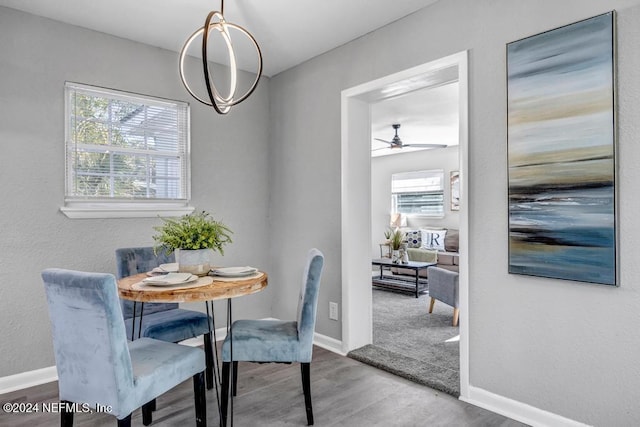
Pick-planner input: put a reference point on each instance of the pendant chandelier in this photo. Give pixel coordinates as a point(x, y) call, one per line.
point(216, 23)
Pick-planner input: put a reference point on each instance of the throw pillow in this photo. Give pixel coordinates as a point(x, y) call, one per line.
point(414, 239)
point(451, 242)
point(433, 239)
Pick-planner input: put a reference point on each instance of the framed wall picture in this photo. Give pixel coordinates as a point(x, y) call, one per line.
point(561, 153)
point(454, 180)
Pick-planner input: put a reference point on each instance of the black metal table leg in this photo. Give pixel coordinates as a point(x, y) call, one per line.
point(417, 280)
point(141, 313)
point(232, 376)
point(133, 321)
point(228, 375)
point(216, 360)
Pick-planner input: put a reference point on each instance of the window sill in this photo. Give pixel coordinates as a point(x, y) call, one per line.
point(124, 210)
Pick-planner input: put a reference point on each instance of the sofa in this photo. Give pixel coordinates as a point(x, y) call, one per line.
point(443, 251)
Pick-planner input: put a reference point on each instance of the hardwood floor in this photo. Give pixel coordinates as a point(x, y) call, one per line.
point(345, 393)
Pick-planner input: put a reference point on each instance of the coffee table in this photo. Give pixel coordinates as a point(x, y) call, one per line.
point(399, 282)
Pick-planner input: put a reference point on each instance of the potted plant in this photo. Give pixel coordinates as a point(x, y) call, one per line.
point(396, 241)
point(194, 238)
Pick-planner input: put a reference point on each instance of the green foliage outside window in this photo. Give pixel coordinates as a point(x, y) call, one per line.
point(123, 149)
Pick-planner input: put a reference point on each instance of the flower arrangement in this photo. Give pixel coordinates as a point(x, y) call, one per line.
point(193, 231)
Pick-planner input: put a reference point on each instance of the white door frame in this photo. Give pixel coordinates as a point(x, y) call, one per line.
point(356, 206)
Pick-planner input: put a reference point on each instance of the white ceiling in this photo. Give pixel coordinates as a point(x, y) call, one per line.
point(289, 32)
point(426, 116)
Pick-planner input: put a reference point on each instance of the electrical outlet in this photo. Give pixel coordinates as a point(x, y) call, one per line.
point(333, 310)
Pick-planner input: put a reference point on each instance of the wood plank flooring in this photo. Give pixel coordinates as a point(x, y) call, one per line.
point(345, 392)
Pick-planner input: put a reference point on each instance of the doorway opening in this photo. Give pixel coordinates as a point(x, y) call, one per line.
point(356, 195)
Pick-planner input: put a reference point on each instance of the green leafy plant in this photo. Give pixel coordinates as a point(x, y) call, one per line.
point(396, 238)
point(193, 231)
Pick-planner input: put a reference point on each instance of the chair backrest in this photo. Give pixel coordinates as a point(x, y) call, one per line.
point(308, 303)
point(132, 261)
point(89, 339)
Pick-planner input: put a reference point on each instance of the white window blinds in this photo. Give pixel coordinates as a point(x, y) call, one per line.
point(125, 147)
point(418, 192)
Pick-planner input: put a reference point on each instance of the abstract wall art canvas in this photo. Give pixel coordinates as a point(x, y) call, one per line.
point(561, 153)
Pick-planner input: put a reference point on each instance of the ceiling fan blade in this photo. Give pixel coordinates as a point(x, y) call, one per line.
point(382, 140)
point(383, 148)
point(396, 142)
point(426, 145)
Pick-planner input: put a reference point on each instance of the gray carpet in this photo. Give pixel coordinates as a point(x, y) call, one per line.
point(411, 343)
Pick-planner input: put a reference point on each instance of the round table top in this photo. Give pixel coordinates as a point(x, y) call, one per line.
point(219, 289)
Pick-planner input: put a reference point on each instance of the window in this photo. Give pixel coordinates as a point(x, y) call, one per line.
point(418, 193)
point(126, 154)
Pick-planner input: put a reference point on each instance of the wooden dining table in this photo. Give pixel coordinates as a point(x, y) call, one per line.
point(130, 288)
point(220, 288)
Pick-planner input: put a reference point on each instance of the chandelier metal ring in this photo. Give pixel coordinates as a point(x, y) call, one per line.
point(224, 32)
point(222, 104)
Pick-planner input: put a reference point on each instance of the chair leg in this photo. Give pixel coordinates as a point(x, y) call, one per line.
point(306, 387)
point(208, 353)
point(200, 398)
point(66, 416)
point(125, 422)
point(147, 411)
point(431, 304)
point(224, 401)
point(456, 313)
point(234, 390)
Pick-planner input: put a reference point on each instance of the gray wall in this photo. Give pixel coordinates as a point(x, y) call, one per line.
point(229, 171)
point(381, 170)
point(564, 347)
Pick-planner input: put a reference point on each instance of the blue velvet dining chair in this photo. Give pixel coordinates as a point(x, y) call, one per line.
point(161, 321)
point(97, 366)
point(275, 340)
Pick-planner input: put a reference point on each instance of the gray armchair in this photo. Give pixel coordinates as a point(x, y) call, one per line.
point(443, 286)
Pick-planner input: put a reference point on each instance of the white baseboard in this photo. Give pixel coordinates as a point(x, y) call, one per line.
point(328, 343)
point(517, 410)
point(221, 334)
point(28, 379)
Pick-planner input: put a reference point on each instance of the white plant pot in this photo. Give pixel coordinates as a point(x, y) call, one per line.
point(196, 261)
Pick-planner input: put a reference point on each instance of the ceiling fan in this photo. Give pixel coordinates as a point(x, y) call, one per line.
point(396, 142)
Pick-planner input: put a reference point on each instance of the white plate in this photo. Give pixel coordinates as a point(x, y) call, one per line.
point(234, 271)
point(170, 279)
